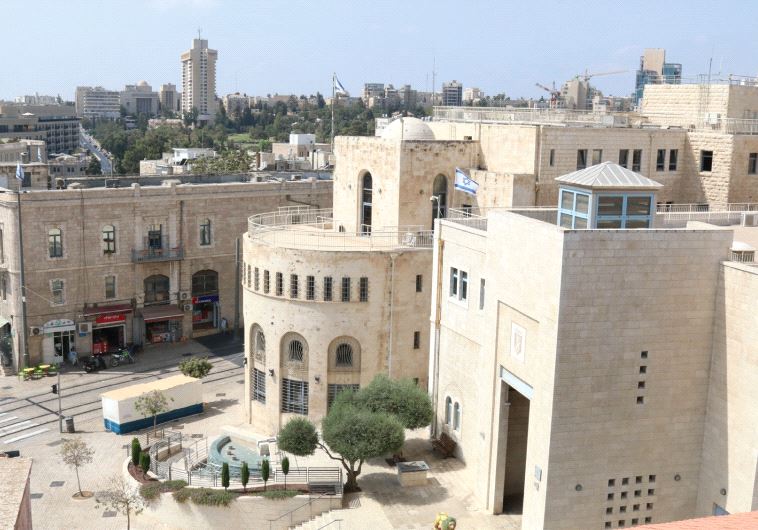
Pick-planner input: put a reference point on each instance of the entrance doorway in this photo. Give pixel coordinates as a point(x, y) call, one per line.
point(515, 457)
point(108, 339)
point(63, 342)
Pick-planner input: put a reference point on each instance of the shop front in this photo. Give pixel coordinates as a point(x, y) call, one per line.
point(6, 342)
point(205, 312)
point(109, 329)
point(58, 340)
point(163, 323)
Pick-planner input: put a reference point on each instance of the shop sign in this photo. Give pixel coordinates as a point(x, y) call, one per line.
point(108, 319)
point(205, 298)
point(62, 324)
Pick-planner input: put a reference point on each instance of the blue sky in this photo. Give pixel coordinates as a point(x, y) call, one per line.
point(293, 46)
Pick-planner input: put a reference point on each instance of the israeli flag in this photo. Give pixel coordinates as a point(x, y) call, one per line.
point(465, 183)
point(338, 88)
point(19, 172)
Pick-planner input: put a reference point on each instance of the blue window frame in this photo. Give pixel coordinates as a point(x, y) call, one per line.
point(574, 209)
point(628, 210)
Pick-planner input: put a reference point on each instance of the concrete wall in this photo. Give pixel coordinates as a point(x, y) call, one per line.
point(731, 426)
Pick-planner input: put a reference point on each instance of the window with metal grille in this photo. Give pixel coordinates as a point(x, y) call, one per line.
point(660, 160)
point(259, 385)
point(266, 282)
point(294, 287)
point(344, 355)
point(260, 346)
point(364, 289)
point(295, 351)
point(310, 287)
point(419, 283)
point(752, 164)
point(279, 284)
point(327, 289)
point(333, 390)
point(256, 280)
point(294, 396)
point(346, 289)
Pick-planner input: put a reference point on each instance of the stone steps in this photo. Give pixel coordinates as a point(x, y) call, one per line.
point(318, 522)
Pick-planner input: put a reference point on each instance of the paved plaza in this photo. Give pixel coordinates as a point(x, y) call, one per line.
point(29, 423)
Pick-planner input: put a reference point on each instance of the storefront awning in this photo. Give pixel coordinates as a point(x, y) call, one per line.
point(158, 313)
point(107, 309)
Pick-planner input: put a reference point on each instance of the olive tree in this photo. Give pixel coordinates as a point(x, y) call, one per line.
point(152, 404)
point(197, 367)
point(75, 453)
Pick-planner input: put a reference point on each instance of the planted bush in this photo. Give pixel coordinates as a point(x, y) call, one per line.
point(280, 494)
point(144, 462)
point(265, 472)
point(196, 367)
point(153, 490)
point(285, 469)
point(204, 496)
point(136, 451)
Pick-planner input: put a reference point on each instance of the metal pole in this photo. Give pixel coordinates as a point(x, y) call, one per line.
point(23, 280)
point(60, 414)
point(334, 75)
point(237, 280)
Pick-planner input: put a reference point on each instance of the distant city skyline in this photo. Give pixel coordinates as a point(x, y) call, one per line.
point(271, 47)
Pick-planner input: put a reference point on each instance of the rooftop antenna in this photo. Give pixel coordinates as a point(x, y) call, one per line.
point(434, 78)
point(199, 33)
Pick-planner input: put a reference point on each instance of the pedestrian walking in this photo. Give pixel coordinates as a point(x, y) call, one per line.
point(224, 325)
point(73, 357)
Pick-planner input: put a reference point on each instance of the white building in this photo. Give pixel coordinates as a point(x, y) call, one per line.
point(199, 80)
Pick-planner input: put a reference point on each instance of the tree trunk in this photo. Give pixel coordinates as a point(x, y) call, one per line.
point(155, 425)
point(352, 481)
point(128, 519)
point(79, 484)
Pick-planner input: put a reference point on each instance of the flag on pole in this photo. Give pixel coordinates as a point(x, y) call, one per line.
point(19, 172)
point(465, 183)
point(39, 154)
point(338, 88)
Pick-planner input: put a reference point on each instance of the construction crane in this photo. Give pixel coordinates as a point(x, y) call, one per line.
point(554, 94)
point(587, 75)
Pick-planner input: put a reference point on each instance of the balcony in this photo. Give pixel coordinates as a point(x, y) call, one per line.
point(157, 254)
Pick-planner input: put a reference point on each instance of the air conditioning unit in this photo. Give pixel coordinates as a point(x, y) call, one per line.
point(188, 307)
point(749, 219)
point(184, 295)
point(84, 328)
point(35, 330)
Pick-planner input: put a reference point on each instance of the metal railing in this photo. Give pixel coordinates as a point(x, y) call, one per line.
point(476, 217)
point(290, 515)
point(533, 115)
point(314, 229)
point(157, 254)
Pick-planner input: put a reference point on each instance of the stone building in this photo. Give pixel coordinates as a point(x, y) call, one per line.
point(600, 375)
point(57, 125)
point(97, 102)
point(140, 99)
point(143, 263)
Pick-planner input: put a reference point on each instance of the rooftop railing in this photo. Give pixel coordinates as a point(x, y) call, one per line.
point(521, 115)
point(313, 229)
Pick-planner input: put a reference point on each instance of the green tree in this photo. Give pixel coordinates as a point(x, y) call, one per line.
point(76, 453)
point(360, 425)
point(197, 367)
point(144, 462)
point(136, 451)
point(225, 475)
point(121, 497)
point(285, 469)
point(94, 167)
point(244, 476)
point(152, 404)
point(265, 472)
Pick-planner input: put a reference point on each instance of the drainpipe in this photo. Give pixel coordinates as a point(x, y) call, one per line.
point(437, 318)
point(391, 323)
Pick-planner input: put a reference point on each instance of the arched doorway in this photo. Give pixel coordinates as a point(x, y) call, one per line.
point(366, 203)
point(156, 289)
point(439, 206)
point(205, 300)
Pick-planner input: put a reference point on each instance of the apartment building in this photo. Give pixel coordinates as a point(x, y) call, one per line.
point(146, 261)
point(57, 125)
point(97, 102)
point(452, 94)
point(140, 99)
point(595, 361)
point(169, 98)
point(199, 79)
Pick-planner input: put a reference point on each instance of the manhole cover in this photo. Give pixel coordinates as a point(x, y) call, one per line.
point(57, 483)
point(221, 394)
point(109, 514)
point(56, 442)
point(36, 496)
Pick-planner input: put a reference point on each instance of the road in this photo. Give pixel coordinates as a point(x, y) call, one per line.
point(88, 142)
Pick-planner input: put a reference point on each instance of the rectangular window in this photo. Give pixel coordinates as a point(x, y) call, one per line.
point(624, 157)
point(660, 160)
point(310, 288)
point(552, 157)
point(752, 169)
point(419, 283)
point(155, 237)
point(453, 282)
point(610, 205)
point(481, 293)
point(256, 279)
point(55, 242)
point(4, 287)
point(266, 282)
point(345, 289)
point(333, 390)
point(109, 239)
point(464, 286)
point(57, 287)
point(416, 340)
point(110, 287)
point(294, 287)
point(581, 159)
point(279, 284)
point(597, 156)
point(706, 160)
point(364, 289)
point(294, 396)
point(327, 288)
point(673, 159)
point(637, 160)
point(259, 386)
point(205, 233)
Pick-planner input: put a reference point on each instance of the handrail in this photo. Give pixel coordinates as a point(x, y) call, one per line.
point(310, 502)
point(330, 523)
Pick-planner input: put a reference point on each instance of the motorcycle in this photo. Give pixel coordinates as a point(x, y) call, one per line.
point(123, 356)
point(91, 364)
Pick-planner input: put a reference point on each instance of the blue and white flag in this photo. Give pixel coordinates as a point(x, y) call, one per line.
point(465, 183)
point(338, 88)
point(19, 172)
point(39, 154)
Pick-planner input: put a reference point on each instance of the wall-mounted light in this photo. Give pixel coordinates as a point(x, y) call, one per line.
point(271, 372)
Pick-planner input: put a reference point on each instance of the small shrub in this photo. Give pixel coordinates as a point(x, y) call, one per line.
point(197, 367)
point(285, 469)
point(265, 472)
point(280, 494)
point(136, 451)
point(210, 497)
point(144, 462)
point(153, 490)
point(182, 495)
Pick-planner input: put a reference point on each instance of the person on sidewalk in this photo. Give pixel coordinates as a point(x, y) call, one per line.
point(73, 357)
point(224, 325)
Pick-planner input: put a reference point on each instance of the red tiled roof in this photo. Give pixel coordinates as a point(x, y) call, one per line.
point(736, 521)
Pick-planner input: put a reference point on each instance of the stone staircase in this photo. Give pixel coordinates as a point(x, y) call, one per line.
point(328, 520)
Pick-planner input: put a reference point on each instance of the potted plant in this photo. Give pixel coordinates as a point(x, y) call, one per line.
point(52, 370)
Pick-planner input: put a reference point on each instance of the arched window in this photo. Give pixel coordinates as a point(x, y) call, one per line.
point(156, 289)
point(457, 417)
point(260, 341)
point(366, 203)
point(448, 410)
point(204, 282)
point(344, 356)
point(55, 242)
point(295, 351)
point(439, 190)
point(109, 239)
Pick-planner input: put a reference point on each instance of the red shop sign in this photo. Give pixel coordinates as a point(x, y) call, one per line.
point(107, 319)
